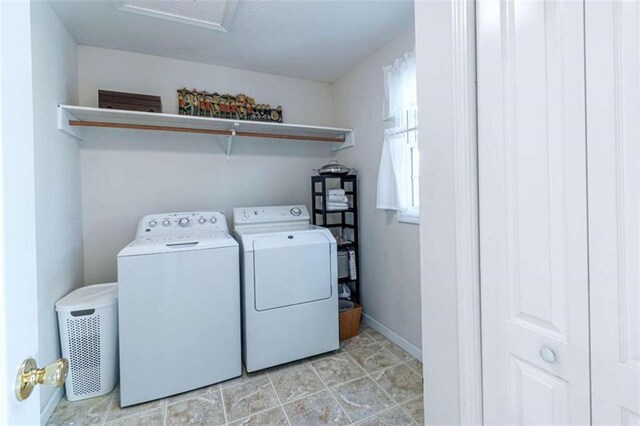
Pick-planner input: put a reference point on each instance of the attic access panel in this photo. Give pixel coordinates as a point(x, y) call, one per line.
point(212, 14)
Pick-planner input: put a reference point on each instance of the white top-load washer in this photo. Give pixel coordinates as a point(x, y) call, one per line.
point(179, 306)
point(289, 285)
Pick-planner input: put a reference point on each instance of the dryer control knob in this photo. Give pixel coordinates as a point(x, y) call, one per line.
point(296, 211)
point(152, 223)
point(202, 220)
point(166, 222)
point(213, 219)
point(184, 221)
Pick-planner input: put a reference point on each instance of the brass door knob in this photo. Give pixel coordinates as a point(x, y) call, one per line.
point(29, 375)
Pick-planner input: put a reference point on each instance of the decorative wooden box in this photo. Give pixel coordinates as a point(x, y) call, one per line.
point(129, 101)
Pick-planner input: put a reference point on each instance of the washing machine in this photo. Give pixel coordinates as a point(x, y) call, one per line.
point(289, 285)
point(179, 306)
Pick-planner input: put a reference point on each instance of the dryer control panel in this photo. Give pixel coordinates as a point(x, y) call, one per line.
point(270, 215)
point(161, 224)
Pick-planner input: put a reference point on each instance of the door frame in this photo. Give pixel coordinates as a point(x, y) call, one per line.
point(449, 206)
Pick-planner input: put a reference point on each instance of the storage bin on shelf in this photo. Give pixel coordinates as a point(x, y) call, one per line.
point(88, 322)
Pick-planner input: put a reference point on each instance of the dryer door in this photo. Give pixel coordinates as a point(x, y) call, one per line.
point(291, 269)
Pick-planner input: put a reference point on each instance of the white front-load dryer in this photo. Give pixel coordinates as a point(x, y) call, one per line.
point(289, 286)
point(179, 306)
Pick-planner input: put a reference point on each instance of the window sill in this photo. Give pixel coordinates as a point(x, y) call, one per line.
point(409, 216)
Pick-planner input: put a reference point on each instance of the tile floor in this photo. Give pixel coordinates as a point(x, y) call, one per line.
point(368, 381)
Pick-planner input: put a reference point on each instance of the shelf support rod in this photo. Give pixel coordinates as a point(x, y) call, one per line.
point(337, 139)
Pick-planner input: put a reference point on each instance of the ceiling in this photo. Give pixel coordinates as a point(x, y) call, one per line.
point(311, 39)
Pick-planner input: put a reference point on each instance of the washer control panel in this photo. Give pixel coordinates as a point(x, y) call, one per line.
point(161, 224)
point(272, 214)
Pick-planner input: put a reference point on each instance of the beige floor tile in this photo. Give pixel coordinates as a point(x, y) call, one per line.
point(253, 399)
point(337, 369)
point(249, 398)
point(374, 358)
point(415, 408)
point(207, 392)
point(318, 409)
point(372, 332)
point(115, 412)
point(356, 342)
point(197, 410)
point(296, 382)
point(394, 416)
point(396, 350)
point(361, 398)
point(90, 411)
point(400, 382)
point(273, 417)
point(415, 365)
point(153, 417)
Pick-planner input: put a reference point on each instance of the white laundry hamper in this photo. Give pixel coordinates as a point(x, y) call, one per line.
point(88, 321)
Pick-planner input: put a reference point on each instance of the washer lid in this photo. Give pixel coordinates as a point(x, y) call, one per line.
point(89, 297)
point(174, 243)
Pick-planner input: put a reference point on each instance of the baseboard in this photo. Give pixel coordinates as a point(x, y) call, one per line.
point(51, 405)
point(412, 349)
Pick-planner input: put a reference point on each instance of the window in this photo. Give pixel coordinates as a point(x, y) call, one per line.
point(398, 177)
point(412, 170)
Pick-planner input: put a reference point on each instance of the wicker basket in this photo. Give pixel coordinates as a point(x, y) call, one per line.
point(350, 322)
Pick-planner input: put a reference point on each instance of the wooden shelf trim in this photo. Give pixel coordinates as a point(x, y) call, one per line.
point(154, 127)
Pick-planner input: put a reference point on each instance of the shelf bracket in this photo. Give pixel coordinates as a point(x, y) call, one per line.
point(63, 124)
point(229, 143)
point(349, 141)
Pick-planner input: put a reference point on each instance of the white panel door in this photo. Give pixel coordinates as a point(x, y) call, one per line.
point(18, 284)
point(613, 132)
point(533, 212)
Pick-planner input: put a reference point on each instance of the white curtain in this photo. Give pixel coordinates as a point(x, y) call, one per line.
point(400, 97)
point(392, 191)
point(400, 84)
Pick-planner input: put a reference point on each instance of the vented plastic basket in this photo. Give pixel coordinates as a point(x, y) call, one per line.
point(88, 321)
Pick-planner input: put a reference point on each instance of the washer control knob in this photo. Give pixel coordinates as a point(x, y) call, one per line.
point(202, 220)
point(246, 214)
point(213, 219)
point(152, 223)
point(296, 211)
point(184, 221)
point(166, 222)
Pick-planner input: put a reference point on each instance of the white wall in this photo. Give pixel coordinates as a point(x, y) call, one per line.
point(390, 268)
point(127, 174)
point(57, 177)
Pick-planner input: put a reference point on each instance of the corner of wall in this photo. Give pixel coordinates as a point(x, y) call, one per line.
point(58, 206)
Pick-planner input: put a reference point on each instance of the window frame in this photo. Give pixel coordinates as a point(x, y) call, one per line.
point(409, 125)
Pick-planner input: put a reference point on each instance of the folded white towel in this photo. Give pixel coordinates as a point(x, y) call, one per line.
point(337, 199)
point(337, 206)
point(336, 191)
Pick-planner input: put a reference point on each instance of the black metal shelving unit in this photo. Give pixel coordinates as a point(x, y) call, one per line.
point(342, 223)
